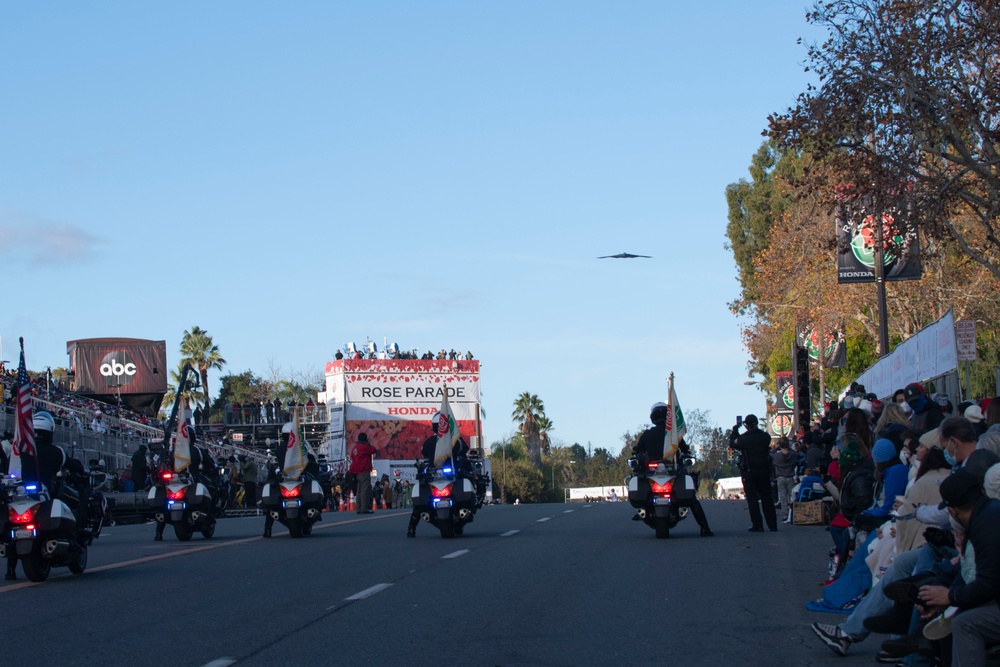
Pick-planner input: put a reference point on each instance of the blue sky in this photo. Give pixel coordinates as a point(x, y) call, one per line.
point(293, 176)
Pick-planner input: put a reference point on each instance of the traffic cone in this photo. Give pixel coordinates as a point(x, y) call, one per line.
point(350, 505)
point(374, 505)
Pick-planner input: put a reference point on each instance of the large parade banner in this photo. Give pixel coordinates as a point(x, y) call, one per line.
point(929, 353)
point(392, 401)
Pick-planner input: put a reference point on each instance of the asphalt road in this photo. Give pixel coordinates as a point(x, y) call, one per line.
point(527, 585)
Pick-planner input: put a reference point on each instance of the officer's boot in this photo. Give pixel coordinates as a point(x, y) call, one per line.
point(268, 522)
point(159, 531)
point(11, 570)
point(411, 530)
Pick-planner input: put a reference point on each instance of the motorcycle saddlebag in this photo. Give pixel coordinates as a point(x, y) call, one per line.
point(271, 495)
point(420, 495)
point(683, 488)
point(638, 491)
point(463, 491)
point(60, 520)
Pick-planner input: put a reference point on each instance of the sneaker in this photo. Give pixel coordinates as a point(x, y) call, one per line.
point(786, 521)
point(833, 637)
point(707, 532)
point(887, 658)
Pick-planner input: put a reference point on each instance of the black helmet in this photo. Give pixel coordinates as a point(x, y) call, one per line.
point(658, 412)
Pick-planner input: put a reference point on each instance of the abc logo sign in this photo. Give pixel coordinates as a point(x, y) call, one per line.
point(117, 369)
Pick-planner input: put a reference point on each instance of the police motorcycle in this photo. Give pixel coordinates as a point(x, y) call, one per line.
point(660, 490)
point(449, 498)
point(46, 527)
point(179, 495)
point(292, 496)
point(181, 500)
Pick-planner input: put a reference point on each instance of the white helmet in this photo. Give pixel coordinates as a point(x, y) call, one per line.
point(658, 411)
point(43, 421)
point(288, 427)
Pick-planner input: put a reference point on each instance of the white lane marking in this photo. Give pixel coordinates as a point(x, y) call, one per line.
point(220, 662)
point(568, 511)
point(377, 588)
point(544, 518)
point(509, 533)
point(456, 554)
point(586, 506)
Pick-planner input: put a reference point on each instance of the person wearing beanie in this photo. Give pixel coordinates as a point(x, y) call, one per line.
point(891, 477)
point(926, 413)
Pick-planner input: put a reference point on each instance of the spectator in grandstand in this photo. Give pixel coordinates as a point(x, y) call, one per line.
point(278, 414)
point(237, 413)
point(98, 425)
point(269, 411)
point(227, 412)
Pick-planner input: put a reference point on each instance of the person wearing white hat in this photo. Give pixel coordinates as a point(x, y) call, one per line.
point(97, 425)
point(974, 414)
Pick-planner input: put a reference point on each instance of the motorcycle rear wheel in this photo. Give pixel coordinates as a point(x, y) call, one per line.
point(208, 530)
point(447, 529)
point(307, 528)
point(36, 568)
point(295, 528)
point(183, 531)
point(79, 564)
point(662, 526)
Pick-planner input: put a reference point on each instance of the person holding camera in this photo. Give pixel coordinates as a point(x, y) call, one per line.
point(755, 469)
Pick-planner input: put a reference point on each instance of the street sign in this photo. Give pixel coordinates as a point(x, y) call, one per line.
point(965, 339)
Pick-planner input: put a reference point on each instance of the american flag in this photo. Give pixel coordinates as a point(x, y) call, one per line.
point(24, 427)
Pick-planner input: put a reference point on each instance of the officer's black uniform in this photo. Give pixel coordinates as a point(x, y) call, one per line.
point(650, 448)
point(460, 463)
point(755, 468)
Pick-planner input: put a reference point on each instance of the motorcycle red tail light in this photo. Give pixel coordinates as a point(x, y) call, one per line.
point(665, 488)
point(290, 493)
point(28, 515)
point(167, 476)
point(441, 493)
point(176, 495)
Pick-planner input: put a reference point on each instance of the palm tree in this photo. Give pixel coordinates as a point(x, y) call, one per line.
point(544, 426)
point(528, 408)
point(192, 393)
point(198, 350)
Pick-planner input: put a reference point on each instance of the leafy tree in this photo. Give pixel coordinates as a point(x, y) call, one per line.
point(198, 350)
point(578, 453)
point(245, 387)
point(512, 467)
point(908, 95)
point(528, 408)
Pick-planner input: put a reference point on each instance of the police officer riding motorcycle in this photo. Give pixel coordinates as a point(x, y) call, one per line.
point(663, 491)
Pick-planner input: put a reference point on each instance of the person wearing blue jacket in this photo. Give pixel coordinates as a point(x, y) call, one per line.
point(890, 478)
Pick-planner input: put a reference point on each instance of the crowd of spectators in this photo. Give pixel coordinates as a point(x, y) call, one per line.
point(266, 412)
point(914, 481)
point(442, 355)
